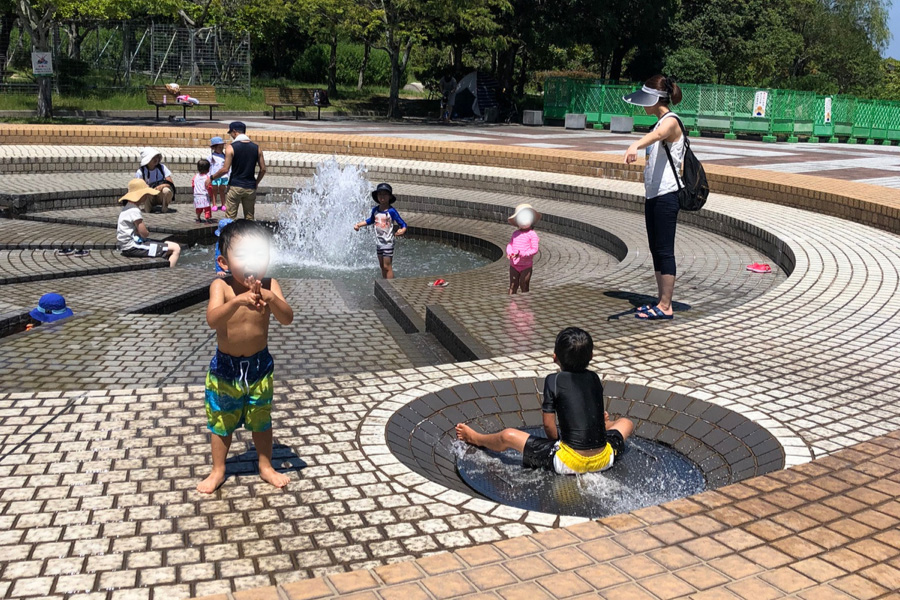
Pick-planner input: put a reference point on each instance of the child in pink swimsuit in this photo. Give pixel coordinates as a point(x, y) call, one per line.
point(522, 247)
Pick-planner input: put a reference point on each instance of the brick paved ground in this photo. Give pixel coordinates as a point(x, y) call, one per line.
point(870, 164)
point(826, 530)
point(97, 498)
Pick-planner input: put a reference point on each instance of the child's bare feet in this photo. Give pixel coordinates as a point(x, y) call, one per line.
point(464, 433)
point(272, 476)
point(211, 483)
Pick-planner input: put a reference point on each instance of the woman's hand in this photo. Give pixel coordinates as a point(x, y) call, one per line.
point(631, 153)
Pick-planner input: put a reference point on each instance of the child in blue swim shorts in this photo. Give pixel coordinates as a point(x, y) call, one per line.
point(239, 384)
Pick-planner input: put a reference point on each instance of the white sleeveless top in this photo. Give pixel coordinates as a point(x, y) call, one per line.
point(658, 176)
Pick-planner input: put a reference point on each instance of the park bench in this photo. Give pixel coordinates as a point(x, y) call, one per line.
point(297, 98)
point(159, 96)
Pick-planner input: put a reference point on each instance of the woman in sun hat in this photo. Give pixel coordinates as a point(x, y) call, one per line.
point(50, 308)
point(157, 176)
point(132, 236)
point(522, 247)
point(661, 183)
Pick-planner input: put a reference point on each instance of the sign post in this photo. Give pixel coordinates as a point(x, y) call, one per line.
point(42, 64)
point(759, 104)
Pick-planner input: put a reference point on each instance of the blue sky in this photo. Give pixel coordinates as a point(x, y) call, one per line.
point(893, 50)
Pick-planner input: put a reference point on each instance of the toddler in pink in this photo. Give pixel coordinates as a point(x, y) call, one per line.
point(522, 247)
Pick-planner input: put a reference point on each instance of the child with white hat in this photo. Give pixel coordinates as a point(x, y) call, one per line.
point(216, 160)
point(522, 247)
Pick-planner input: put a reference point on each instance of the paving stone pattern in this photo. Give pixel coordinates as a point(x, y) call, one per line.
point(110, 478)
point(26, 234)
point(569, 277)
point(824, 530)
point(106, 488)
point(111, 292)
point(18, 266)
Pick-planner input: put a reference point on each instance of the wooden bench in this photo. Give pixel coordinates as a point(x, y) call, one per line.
point(159, 96)
point(297, 98)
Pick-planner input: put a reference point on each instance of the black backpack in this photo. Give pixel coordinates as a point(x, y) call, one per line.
point(693, 194)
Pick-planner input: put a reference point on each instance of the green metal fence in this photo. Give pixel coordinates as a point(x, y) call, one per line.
point(734, 110)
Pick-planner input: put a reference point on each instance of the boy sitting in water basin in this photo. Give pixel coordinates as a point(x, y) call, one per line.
point(586, 441)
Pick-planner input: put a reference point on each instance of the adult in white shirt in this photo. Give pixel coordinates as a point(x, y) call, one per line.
point(157, 176)
point(662, 180)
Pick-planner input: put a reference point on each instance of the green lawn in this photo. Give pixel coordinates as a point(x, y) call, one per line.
point(348, 98)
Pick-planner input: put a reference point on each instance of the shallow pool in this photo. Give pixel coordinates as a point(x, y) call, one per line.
point(413, 257)
point(647, 474)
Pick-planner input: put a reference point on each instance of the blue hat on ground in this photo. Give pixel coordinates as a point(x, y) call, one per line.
point(237, 127)
point(51, 307)
point(216, 141)
point(222, 224)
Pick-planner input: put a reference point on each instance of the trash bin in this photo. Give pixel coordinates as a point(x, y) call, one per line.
point(621, 124)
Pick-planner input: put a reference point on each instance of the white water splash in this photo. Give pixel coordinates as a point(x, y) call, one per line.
point(640, 478)
point(315, 227)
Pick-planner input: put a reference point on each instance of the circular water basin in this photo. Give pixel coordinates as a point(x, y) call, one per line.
point(646, 474)
point(413, 257)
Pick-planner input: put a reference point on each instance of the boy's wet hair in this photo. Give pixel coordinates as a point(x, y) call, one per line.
point(574, 348)
point(241, 228)
point(203, 166)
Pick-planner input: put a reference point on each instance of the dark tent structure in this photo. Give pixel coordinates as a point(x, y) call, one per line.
point(475, 94)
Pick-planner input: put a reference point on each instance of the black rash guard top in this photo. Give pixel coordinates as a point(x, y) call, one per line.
point(577, 400)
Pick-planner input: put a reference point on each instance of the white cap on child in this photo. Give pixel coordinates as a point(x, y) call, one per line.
point(525, 218)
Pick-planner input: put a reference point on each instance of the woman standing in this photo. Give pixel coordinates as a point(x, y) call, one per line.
point(661, 185)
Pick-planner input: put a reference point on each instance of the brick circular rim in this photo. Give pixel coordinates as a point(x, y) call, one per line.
point(725, 445)
point(382, 440)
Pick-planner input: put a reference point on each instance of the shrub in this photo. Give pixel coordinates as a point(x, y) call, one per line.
point(312, 65)
point(690, 65)
point(541, 76)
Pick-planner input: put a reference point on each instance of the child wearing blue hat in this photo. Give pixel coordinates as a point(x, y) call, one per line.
point(220, 272)
point(217, 161)
point(50, 308)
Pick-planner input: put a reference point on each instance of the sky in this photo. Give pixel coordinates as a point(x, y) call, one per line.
point(893, 50)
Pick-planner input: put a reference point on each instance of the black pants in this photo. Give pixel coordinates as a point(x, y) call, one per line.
point(661, 216)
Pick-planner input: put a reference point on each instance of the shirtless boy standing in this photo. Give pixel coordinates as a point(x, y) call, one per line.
point(239, 382)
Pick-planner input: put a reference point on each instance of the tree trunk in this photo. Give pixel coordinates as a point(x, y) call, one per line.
point(6, 25)
point(332, 67)
point(523, 76)
point(618, 57)
point(506, 67)
point(76, 38)
point(126, 52)
point(45, 97)
point(365, 64)
point(394, 97)
point(457, 57)
point(38, 27)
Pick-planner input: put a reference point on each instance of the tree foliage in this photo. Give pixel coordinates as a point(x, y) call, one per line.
point(831, 46)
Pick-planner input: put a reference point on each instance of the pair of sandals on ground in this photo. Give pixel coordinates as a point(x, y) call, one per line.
point(73, 252)
point(651, 312)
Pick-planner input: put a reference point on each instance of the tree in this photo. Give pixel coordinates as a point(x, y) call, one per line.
point(402, 22)
point(690, 65)
point(331, 20)
point(36, 18)
point(7, 19)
